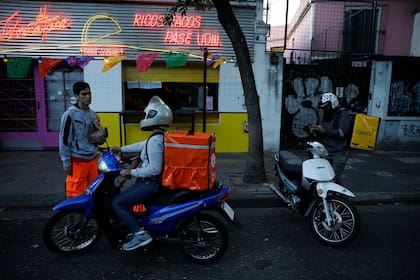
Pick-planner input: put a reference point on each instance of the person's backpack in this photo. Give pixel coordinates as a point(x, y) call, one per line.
point(189, 160)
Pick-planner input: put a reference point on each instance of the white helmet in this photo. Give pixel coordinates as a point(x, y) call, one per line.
point(328, 98)
point(157, 114)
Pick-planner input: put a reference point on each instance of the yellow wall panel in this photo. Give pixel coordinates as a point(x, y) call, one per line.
point(112, 122)
point(134, 134)
point(230, 136)
point(191, 73)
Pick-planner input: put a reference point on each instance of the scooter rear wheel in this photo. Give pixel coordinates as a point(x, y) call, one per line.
point(207, 236)
point(69, 232)
point(345, 222)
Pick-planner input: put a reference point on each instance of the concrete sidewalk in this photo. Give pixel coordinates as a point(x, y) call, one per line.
point(35, 179)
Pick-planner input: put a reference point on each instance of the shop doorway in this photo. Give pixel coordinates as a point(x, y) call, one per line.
point(31, 107)
point(58, 97)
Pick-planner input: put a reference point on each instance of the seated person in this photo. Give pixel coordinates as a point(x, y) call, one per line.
point(158, 118)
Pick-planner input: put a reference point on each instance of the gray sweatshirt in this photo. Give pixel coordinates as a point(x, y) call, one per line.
point(76, 126)
point(152, 162)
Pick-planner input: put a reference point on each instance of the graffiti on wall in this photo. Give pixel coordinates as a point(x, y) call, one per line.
point(411, 130)
point(301, 95)
point(404, 98)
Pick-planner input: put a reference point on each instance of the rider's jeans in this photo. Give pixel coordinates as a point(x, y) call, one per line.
point(338, 161)
point(140, 192)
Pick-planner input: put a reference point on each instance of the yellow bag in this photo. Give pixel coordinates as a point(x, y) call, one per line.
point(365, 130)
point(189, 160)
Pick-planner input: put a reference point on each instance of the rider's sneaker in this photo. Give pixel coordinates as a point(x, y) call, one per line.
point(140, 238)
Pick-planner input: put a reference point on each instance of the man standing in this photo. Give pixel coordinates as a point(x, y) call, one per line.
point(77, 149)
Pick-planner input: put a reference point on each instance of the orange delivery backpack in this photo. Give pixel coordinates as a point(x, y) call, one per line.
point(189, 160)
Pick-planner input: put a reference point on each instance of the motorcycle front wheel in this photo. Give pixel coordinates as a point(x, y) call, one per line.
point(345, 224)
point(69, 232)
point(206, 238)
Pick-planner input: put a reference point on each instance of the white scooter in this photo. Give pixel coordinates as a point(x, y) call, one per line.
point(308, 188)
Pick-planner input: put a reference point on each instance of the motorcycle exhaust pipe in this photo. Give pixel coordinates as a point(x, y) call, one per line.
point(177, 241)
point(277, 192)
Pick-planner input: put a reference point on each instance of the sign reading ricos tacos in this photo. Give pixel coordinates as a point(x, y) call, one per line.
point(184, 30)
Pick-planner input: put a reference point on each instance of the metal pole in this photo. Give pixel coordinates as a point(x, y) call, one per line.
point(285, 26)
point(204, 87)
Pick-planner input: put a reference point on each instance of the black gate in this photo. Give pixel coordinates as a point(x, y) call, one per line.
point(303, 85)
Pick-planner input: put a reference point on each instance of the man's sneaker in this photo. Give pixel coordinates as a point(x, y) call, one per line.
point(140, 238)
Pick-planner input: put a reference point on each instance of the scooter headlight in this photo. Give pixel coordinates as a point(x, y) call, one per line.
point(102, 166)
point(107, 162)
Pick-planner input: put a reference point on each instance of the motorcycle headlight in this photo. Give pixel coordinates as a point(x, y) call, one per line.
point(108, 162)
point(102, 166)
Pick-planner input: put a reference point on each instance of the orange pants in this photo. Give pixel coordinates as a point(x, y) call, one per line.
point(83, 172)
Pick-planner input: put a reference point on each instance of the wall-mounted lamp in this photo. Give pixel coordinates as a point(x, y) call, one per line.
point(5, 59)
point(40, 60)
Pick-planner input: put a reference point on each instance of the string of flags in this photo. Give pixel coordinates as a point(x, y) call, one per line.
point(111, 61)
point(18, 67)
point(145, 60)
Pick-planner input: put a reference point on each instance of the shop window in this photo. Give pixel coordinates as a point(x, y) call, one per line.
point(359, 31)
point(18, 105)
point(180, 97)
point(59, 93)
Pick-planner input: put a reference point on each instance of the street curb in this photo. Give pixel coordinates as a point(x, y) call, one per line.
point(248, 197)
point(268, 199)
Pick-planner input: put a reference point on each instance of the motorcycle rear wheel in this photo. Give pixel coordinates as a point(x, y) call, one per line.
point(345, 222)
point(208, 236)
point(69, 232)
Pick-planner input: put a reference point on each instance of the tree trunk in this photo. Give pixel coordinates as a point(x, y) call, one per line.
point(254, 170)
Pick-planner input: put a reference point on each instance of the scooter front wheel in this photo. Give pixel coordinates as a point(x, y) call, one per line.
point(69, 232)
point(345, 222)
point(206, 238)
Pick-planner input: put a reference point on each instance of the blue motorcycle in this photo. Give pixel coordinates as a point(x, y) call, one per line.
point(181, 217)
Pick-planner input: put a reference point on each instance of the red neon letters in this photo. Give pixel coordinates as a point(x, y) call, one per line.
point(184, 30)
point(181, 31)
point(44, 23)
point(157, 20)
point(109, 50)
point(178, 37)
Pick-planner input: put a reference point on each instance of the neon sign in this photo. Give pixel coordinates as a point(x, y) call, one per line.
point(181, 31)
point(178, 37)
point(14, 28)
point(92, 50)
point(184, 31)
point(88, 47)
point(209, 39)
point(157, 20)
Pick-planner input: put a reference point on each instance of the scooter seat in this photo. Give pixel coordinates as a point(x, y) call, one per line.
point(167, 196)
point(291, 164)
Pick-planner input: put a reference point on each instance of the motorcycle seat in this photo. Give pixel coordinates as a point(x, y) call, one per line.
point(291, 164)
point(167, 196)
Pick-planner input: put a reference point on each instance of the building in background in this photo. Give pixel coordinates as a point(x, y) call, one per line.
point(364, 52)
point(127, 55)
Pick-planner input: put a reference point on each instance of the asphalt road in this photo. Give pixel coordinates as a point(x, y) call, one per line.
point(271, 245)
